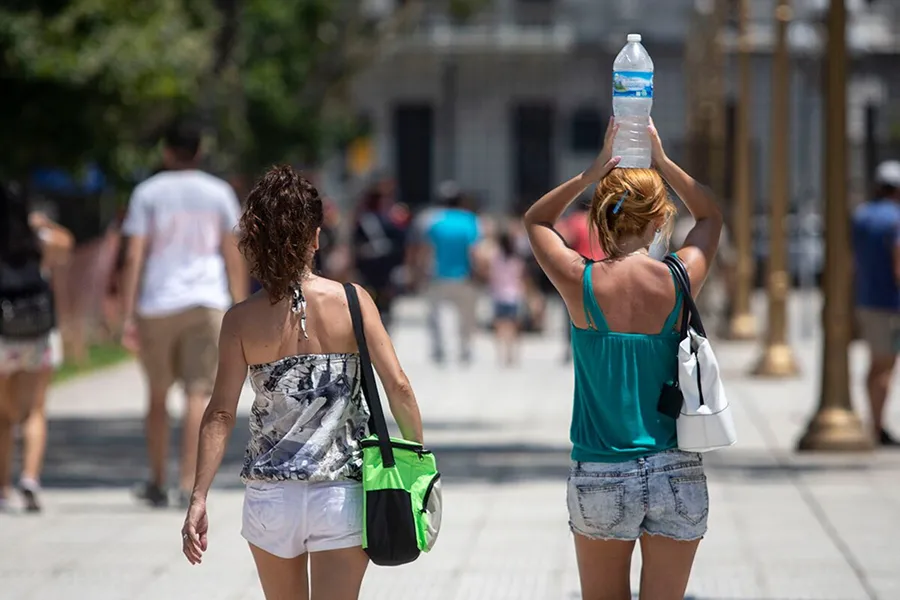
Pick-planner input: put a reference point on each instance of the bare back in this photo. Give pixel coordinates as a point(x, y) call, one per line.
point(271, 332)
point(635, 293)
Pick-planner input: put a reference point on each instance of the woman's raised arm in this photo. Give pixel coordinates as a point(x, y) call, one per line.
point(563, 265)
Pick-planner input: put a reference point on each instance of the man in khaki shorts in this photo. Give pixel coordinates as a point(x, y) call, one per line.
point(876, 241)
point(183, 270)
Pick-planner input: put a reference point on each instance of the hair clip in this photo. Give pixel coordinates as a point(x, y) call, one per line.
point(618, 205)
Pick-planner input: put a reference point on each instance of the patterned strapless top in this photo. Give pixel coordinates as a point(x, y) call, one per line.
point(307, 420)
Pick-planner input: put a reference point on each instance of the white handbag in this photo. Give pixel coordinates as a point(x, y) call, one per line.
point(705, 422)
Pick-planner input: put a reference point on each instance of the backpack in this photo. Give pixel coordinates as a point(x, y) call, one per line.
point(26, 301)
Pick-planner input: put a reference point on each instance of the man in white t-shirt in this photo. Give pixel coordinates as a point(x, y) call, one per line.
point(183, 270)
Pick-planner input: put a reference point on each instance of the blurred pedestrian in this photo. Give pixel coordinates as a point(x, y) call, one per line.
point(719, 289)
point(31, 246)
point(628, 479)
point(378, 248)
point(328, 239)
point(303, 505)
point(507, 285)
point(452, 235)
point(579, 235)
point(183, 270)
point(876, 241)
point(576, 230)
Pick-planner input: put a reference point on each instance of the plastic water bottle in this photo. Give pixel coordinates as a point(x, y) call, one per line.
point(632, 101)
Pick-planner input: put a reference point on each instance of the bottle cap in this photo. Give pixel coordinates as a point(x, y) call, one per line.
point(634, 37)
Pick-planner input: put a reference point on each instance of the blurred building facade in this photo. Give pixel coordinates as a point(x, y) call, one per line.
point(511, 99)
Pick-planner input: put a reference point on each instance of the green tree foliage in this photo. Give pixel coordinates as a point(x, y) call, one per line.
point(94, 80)
point(91, 80)
point(294, 61)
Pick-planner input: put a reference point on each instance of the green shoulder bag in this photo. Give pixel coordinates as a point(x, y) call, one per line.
point(401, 483)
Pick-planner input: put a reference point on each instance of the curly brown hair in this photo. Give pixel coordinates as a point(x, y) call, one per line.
point(279, 228)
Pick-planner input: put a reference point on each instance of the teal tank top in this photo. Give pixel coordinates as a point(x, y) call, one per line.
point(618, 381)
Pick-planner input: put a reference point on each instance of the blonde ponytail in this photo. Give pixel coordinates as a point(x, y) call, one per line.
point(625, 203)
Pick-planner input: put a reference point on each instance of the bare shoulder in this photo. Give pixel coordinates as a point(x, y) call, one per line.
point(242, 314)
point(662, 275)
point(645, 276)
point(327, 290)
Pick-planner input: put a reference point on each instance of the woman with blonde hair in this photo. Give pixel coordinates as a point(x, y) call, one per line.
point(628, 480)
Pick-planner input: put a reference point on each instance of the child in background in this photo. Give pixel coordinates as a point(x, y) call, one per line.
point(507, 285)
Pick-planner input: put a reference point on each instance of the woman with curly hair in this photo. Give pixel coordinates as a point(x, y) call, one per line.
point(303, 465)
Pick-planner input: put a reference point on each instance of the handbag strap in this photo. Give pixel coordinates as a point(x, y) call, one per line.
point(690, 316)
point(367, 375)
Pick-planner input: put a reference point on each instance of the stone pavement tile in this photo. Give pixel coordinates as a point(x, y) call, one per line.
point(223, 581)
point(84, 530)
point(812, 583)
point(720, 548)
point(539, 551)
point(568, 586)
point(873, 552)
point(735, 582)
point(885, 585)
point(39, 560)
point(14, 584)
point(708, 582)
point(100, 584)
point(404, 582)
point(445, 557)
point(506, 585)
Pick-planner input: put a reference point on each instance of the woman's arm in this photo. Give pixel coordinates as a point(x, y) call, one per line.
point(563, 265)
point(56, 241)
point(400, 394)
point(215, 429)
point(219, 418)
point(700, 246)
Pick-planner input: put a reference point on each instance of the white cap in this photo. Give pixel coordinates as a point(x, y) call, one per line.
point(888, 173)
point(634, 37)
point(448, 189)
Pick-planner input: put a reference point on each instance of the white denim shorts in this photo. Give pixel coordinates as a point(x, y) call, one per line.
point(290, 518)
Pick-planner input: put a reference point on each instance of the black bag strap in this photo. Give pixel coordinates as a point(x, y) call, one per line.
point(367, 375)
point(690, 316)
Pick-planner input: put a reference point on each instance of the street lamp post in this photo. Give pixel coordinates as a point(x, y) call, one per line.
point(835, 426)
point(715, 94)
point(778, 358)
point(743, 323)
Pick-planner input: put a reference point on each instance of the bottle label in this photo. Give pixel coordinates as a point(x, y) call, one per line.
point(632, 84)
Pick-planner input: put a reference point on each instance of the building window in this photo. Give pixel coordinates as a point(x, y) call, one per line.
point(587, 129)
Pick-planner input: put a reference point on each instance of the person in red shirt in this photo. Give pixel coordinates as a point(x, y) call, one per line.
point(578, 234)
point(576, 230)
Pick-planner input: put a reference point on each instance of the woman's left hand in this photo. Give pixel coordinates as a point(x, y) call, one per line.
point(193, 534)
point(605, 161)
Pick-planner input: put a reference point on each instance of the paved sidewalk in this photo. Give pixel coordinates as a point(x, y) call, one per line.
point(782, 526)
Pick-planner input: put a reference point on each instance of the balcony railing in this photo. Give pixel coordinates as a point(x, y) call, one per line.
point(511, 26)
point(557, 25)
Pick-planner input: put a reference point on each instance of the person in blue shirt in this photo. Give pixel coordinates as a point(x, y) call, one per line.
point(452, 233)
point(876, 242)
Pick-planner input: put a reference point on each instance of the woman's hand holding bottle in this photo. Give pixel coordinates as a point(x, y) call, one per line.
point(605, 161)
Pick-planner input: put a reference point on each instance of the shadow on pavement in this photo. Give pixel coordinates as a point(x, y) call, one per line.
point(762, 466)
point(110, 452)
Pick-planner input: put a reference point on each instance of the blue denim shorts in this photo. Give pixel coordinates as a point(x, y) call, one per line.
point(506, 310)
point(663, 494)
